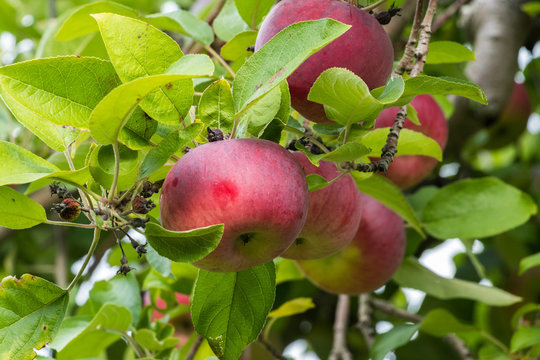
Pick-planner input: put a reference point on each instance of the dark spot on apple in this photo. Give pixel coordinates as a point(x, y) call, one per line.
point(247, 237)
point(300, 241)
point(175, 182)
point(224, 192)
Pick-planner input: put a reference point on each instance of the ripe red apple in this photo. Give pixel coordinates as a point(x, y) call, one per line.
point(408, 170)
point(369, 261)
point(364, 49)
point(182, 299)
point(255, 187)
point(333, 214)
point(513, 120)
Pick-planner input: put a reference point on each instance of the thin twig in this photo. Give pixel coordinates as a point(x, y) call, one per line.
point(220, 60)
point(387, 308)
point(448, 13)
point(364, 319)
point(71, 224)
point(275, 353)
point(95, 241)
point(307, 136)
point(112, 192)
point(420, 34)
point(194, 348)
point(339, 345)
point(374, 5)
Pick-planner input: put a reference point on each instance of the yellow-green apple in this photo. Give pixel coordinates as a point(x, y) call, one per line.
point(254, 187)
point(513, 120)
point(409, 170)
point(365, 49)
point(333, 214)
point(371, 258)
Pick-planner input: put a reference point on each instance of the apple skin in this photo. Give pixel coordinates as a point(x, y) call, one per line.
point(513, 120)
point(409, 170)
point(365, 49)
point(333, 214)
point(369, 261)
point(255, 187)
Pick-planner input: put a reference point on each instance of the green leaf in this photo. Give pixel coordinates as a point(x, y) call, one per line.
point(120, 290)
point(85, 337)
point(529, 262)
point(398, 336)
point(440, 322)
point(259, 113)
point(148, 339)
point(531, 8)
point(391, 92)
point(80, 22)
point(527, 308)
point(75, 178)
point(525, 337)
point(280, 56)
point(346, 97)
point(228, 23)
point(18, 211)
point(216, 106)
point(424, 84)
point(347, 152)
point(61, 90)
point(446, 52)
point(230, 309)
point(183, 22)
point(410, 143)
point(138, 130)
point(236, 48)
point(138, 49)
point(102, 166)
point(389, 195)
point(293, 307)
point(158, 156)
point(412, 115)
point(199, 65)
point(413, 275)
point(184, 246)
point(111, 114)
point(476, 208)
point(160, 263)
point(253, 11)
point(316, 182)
point(19, 166)
point(32, 309)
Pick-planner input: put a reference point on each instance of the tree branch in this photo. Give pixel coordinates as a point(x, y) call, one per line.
point(456, 343)
point(339, 346)
point(364, 319)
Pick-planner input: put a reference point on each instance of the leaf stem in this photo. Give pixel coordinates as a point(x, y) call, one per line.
point(93, 246)
point(194, 348)
point(65, 223)
point(219, 59)
point(309, 137)
point(112, 192)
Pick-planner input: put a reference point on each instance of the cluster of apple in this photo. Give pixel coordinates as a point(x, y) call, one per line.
point(343, 240)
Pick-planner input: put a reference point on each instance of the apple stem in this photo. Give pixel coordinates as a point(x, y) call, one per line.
point(339, 346)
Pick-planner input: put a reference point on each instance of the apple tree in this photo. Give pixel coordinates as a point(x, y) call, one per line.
point(225, 179)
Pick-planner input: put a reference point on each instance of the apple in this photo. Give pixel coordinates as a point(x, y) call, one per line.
point(513, 120)
point(364, 49)
point(409, 170)
point(371, 258)
point(254, 187)
point(182, 299)
point(333, 214)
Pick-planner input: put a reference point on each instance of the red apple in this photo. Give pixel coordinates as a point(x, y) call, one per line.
point(364, 49)
point(513, 120)
point(408, 170)
point(369, 261)
point(333, 214)
point(255, 187)
point(182, 299)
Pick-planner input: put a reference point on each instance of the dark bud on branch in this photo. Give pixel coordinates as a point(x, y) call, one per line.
point(138, 222)
point(150, 189)
point(124, 267)
point(251, 48)
point(384, 17)
point(68, 210)
point(141, 205)
point(214, 135)
point(60, 190)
